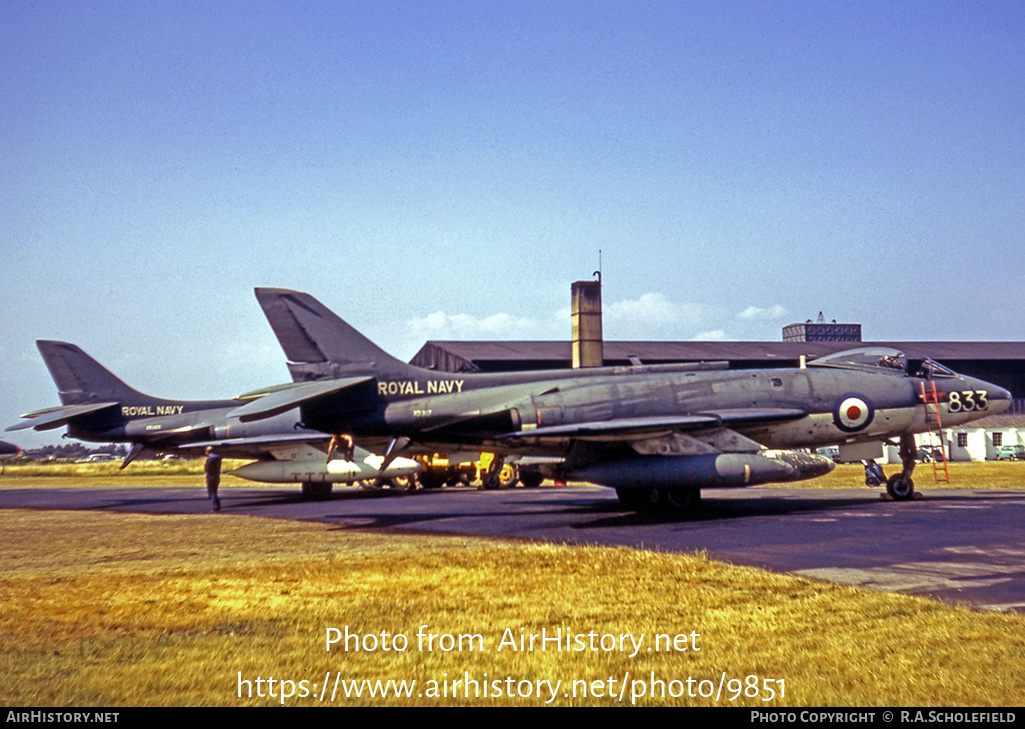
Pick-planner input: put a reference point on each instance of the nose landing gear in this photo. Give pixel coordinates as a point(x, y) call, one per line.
point(900, 486)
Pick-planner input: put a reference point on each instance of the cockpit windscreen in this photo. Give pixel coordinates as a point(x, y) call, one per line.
point(869, 358)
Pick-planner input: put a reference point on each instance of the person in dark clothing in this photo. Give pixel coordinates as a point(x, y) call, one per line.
point(341, 443)
point(212, 468)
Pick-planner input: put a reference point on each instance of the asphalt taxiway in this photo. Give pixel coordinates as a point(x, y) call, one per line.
point(960, 546)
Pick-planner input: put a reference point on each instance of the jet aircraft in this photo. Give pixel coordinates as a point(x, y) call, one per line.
point(7, 450)
point(669, 430)
point(99, 407)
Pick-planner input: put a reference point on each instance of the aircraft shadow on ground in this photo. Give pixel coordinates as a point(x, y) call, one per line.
point(712, 509)
point(586, 509)
point(594, 511)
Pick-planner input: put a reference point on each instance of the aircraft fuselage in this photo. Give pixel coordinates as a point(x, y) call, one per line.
point(778, 408)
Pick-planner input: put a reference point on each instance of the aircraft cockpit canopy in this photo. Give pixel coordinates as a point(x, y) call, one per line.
point(873, 359)
point(931, 369)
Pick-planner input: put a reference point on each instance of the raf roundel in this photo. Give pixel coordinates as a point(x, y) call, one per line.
point(853, 412)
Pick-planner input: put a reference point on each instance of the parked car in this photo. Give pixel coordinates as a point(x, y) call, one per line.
point(1011, 453)
point(830, 452)
point(97, 458)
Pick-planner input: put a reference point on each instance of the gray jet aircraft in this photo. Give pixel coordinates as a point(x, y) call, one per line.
point(7, 450)
point(99, 407)
point(642, 430)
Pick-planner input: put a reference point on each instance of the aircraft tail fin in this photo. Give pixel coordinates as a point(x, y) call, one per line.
point(81, 379)
point(317, 343)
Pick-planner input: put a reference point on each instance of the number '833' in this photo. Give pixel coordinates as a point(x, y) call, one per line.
point(967, 400)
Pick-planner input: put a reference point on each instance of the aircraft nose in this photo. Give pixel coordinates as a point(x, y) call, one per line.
point(999, 398)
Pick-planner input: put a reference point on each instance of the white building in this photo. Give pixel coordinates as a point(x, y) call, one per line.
point(976, 441)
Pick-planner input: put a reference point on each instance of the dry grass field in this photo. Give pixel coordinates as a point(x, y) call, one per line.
point(986, 475)
point(110, 474)
point(101, 609)
point(983, 475)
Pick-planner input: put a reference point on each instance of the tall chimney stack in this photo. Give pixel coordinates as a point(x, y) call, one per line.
point(587, 336)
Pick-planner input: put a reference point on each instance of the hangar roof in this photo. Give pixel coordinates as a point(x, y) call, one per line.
point(997, 422)
point(456, 356)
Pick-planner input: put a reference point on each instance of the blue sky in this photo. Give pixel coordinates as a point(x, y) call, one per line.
point(445, 170)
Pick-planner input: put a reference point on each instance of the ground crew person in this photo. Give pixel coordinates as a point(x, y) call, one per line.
point(342, 443)
point(212, 469)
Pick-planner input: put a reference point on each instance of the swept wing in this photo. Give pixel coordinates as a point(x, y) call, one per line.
point(276, 400)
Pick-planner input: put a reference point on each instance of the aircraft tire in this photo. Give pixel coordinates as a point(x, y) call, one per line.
point(635, 498)
point(900, 489)
point(505, 478)
point(401, 484)
point(531, 480)
point(682, 498)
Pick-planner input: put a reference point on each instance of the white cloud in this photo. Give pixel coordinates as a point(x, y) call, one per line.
point(758, 313)
point(653, 309)
point(440, 325)
point(650, 316)
point(716, 335)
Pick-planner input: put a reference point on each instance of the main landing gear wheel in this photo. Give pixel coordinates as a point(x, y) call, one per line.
point(531, 480)
point(398, 484)
point(489, 482)
point(682, 499)
point(500, 475)
point(900, 488)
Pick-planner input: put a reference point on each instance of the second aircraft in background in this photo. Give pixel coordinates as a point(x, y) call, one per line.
point(98, 407)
